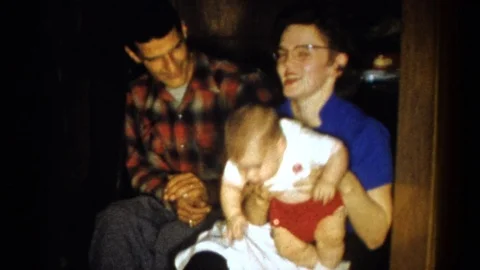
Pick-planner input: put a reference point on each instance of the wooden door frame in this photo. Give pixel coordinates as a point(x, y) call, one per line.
point(424, 157)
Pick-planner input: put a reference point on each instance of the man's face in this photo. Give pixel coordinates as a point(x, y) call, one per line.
point(167, 59)
point(303, 61)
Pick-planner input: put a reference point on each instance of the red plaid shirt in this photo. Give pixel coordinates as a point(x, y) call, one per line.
point(162, 139)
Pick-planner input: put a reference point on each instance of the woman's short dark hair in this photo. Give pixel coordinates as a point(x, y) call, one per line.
point(324, 17)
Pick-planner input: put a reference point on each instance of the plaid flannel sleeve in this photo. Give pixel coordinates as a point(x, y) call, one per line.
point(144, 177)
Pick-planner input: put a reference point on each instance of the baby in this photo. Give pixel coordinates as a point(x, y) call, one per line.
point(262, 148)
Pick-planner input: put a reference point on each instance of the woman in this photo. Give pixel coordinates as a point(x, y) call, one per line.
point(311, 55)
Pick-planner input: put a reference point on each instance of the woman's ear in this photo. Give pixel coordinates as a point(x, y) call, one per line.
point(341, 61)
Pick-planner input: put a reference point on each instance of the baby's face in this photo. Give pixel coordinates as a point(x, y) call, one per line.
point(258, 169)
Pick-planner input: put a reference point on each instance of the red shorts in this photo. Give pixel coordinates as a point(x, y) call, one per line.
point(301, 219)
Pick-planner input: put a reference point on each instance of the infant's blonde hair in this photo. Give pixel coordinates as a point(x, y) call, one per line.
point(252, 126)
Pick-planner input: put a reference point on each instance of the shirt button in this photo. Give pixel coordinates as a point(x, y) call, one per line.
point(276, 222)
point(180, 116)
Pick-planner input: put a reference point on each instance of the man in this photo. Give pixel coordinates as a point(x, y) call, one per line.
point(174, 131)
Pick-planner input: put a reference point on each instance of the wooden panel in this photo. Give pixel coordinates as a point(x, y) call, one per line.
point(229, 18)
point(424, 168)
point(232, 24)
point(208, 18)
point(412, 235)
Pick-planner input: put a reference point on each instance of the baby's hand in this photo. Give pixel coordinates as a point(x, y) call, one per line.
point(236, 227)
point(323, 191)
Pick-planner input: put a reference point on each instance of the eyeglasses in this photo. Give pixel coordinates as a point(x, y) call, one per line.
point(300, 53)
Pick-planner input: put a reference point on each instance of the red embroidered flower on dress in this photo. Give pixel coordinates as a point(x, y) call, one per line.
point(297, 168)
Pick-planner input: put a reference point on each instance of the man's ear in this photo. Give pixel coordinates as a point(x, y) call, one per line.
point(133, 55)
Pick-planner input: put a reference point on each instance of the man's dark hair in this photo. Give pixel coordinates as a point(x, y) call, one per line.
point(148, 19)
point(324, 17)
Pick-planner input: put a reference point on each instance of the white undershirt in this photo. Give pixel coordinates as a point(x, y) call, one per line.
point(178, 93)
